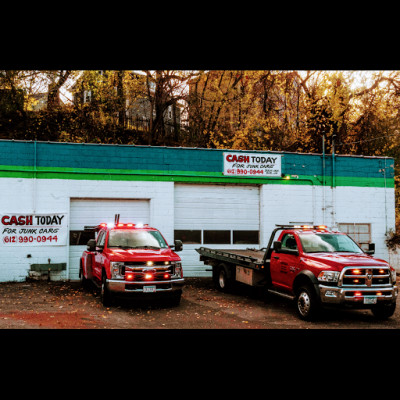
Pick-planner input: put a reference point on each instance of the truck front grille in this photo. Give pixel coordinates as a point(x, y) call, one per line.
point(365, 277)
point(139, 272)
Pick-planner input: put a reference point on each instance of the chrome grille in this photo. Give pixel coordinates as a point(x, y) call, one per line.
point(365, 276)
point(159, 273)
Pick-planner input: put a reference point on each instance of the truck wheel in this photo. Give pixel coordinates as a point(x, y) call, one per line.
point(307, 304)
point(105, 295)
point(222, 281)
point(385, 311)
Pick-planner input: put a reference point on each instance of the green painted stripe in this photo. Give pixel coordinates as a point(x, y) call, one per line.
point(7, 171)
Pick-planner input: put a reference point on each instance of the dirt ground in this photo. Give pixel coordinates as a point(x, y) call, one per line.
point(66, 305)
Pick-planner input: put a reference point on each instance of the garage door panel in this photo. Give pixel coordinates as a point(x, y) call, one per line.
point(213, 207)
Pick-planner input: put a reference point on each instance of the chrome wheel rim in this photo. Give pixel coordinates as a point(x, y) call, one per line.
point(222, 279)
point(304, 303)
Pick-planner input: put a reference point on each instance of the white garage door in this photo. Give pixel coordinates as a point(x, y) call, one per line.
point(215, 216)
point(90, 212)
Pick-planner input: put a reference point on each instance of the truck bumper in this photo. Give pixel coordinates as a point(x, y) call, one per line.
point(122, 287)
point(358, 297)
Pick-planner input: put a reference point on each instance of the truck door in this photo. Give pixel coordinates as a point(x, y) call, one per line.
point(98, 255)
point(284, 264)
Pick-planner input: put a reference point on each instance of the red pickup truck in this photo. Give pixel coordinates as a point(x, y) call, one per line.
point(132, 260)
point(313, 266)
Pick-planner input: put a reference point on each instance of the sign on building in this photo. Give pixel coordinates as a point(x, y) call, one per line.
point(33, 229)
point(252, 165)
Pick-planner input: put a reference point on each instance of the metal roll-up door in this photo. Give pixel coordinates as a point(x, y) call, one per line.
point(215, 216)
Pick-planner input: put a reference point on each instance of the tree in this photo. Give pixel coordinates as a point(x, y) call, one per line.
point(165, 89)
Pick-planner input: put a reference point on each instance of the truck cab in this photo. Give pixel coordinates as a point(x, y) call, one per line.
point(128, 259)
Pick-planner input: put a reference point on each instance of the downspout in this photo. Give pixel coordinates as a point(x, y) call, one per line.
point(386, 223)
point(323, 179)
point(333, 184)
point(34, 177)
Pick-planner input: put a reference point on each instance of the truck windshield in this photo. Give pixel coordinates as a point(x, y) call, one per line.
point(324, 242)
point(136, 239)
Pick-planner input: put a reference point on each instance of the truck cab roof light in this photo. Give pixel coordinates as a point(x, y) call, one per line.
point(109, 225)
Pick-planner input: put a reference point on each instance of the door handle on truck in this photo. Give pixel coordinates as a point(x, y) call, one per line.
point(276, 257)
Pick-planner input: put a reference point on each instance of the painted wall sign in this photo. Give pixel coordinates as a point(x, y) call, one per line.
point(33, 229)
point(252, 165)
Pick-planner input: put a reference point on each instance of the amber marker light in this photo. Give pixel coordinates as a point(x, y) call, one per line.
point(356, 272)
point(148, 276)
point(129, 277)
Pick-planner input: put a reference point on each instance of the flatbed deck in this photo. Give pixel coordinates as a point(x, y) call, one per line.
point(252, 258)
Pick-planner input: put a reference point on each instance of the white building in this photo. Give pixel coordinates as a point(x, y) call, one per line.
point(205, 197)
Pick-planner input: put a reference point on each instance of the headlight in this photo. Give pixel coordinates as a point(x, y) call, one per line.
point(177, 272)
point(116, 270)
point(329, 276)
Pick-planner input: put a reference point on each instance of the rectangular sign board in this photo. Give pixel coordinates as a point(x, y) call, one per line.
point(252, 165)
point(33, 229)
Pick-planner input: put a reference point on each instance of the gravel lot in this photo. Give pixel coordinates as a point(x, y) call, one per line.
point(65, 305)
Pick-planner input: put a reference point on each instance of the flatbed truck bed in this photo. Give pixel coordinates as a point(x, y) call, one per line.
point(250, 258)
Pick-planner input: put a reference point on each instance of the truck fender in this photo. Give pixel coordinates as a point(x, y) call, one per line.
point(306, 277)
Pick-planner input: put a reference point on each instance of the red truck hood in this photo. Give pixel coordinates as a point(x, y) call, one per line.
point(340, 260)
point(142, 255)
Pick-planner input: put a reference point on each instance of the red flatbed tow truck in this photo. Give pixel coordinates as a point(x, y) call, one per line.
point(313, 266)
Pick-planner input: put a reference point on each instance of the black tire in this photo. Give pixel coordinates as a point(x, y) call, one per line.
point(175, 299)
point(105, 294)
point(222, 281)
point(83, 280)
point(384, 311)
point(307, 303)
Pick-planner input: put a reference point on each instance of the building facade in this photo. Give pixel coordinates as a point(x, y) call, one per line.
point(205, 197)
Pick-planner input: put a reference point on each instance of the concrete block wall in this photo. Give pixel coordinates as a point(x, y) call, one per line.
point(364, 190)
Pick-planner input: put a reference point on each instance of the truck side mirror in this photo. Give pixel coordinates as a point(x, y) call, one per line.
point(91, 245)
point(371, 249)
point(277, 246)
point(178, 245)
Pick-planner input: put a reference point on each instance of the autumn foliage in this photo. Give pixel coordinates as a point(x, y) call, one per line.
point(296, 111)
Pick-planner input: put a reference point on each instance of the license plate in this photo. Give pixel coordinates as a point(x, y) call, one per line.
point(149, 289)
point(369, 300)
